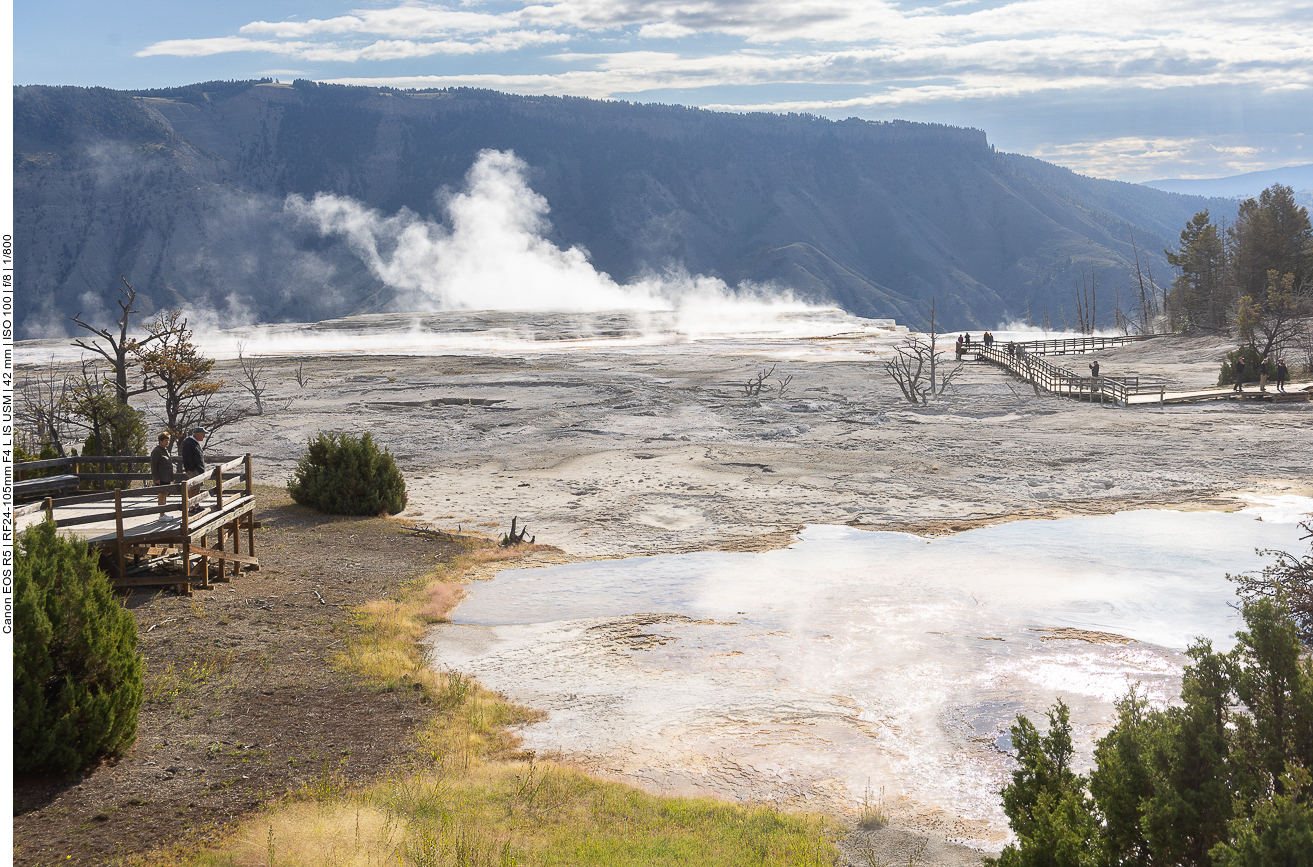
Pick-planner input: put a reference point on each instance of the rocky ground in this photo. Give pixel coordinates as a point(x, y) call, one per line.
point(617, 452)
point(611, 451)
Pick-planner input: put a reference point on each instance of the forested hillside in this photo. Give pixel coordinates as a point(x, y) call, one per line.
point(183, 191)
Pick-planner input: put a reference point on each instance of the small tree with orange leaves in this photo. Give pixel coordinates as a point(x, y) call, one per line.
point(176, 368)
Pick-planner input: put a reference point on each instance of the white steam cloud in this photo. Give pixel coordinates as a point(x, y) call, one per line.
point(494, 256)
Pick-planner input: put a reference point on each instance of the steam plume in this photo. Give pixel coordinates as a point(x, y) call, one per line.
point(494, 255)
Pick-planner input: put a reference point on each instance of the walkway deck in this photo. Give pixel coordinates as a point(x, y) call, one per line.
point(1025, 361)
point(144, 543)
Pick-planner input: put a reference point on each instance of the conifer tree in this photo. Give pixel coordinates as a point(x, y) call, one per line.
point(77, 672)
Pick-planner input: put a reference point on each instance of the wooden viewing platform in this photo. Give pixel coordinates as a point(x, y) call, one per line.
point(1026, 362)
point(141, 542)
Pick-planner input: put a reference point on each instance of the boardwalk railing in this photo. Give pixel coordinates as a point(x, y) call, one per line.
point(1026, 360)
point(219, 503)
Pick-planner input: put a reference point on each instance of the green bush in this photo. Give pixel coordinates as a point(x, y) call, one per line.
point(77, 672)
point(1219, 779)
point(346, 475)
point(1252, 360)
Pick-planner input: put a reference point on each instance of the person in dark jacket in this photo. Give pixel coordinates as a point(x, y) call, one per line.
point(1239, 374)
point(161, 465)
point(193, 459)
point(1283, 373)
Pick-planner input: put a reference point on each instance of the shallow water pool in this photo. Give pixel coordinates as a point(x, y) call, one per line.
point(854, 657)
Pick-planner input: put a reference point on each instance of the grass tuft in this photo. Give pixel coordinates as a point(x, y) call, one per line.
point(473, 800)
point(872, 816)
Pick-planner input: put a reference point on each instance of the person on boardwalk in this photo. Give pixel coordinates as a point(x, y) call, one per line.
point(959, 347)
point(161, 465)
point(1094, 368)
point(1282, 375)
point(1262, 374)
point(1012, 349)
point(193, 459)
point(1239, 374)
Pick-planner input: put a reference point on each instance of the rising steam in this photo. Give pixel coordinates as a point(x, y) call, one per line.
point(493, 255)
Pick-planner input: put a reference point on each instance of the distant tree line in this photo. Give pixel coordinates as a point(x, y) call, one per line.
point(1254, 275)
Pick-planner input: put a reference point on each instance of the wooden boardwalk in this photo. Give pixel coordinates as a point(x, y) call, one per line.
point(1026, 360)
point(192, 540)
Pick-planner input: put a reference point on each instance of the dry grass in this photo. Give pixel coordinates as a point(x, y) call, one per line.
point(178, 679)
point(872, 816)
point(471, 799)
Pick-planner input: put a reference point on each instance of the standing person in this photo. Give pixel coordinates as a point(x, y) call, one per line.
point(1239, 374)
point(959, 347)
point(1282, 375)
point(161, 466)
point(193, 459)
point(1094, 368)
point(1262, 374)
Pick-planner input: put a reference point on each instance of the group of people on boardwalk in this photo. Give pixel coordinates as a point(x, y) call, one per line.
point(964, 340)
point(1264, 371)
point(193, 459)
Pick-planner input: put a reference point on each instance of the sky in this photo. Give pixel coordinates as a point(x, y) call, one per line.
point(1129, 89)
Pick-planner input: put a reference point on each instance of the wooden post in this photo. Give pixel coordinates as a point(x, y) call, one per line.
point(186, 536)
point(1162, 393)
point(237, 544)
point(50, 509)
point(119, 560)
point(250, 517)
point(205, 561)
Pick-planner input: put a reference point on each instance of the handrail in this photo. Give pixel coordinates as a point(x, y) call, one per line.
point(1031, 366)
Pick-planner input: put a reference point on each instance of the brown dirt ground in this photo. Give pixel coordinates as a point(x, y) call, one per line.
point(247, 707)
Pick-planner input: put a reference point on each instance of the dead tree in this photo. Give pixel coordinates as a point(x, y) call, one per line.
point(1086, 297)
point(301, 378)
point(1147, 309)
point(919, 373)
point(757, 384)
point(253, 379)
point(122, 351)
point(514, 538)
point(43, 398)
point(784, 382)
point(918, 366)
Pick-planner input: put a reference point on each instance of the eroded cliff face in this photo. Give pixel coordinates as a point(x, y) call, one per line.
point(184, 193)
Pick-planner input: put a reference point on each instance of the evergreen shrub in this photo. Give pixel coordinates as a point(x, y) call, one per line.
point(341, 474)
point(1219, 779)
point(77, 672)
point(1252, 360)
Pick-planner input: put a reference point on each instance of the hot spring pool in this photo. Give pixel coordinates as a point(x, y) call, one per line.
point(855, 657)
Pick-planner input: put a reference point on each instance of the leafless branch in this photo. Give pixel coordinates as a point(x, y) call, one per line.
point(253, 379)
point(757, 384)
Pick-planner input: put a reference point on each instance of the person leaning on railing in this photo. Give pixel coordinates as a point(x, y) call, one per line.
point(193, 459)
point(161, 466)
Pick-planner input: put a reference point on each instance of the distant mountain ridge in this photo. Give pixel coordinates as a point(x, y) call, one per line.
point(1245, 186)
point(1248, 185)
point(182, 191)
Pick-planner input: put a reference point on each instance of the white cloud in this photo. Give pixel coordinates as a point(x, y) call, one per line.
point(1150, 158)
point(957, 50)
point(880, 55)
